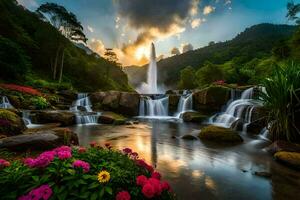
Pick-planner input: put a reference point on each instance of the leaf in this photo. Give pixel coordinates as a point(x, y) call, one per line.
point(101, 193)
point(108, 190)
point(94, 196)
point(35, 178)
point(93, 185)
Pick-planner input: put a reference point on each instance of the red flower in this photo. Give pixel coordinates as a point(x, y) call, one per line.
point(82, 149)
point(93, 144)
point(127, 150)
point(156, 175)
point(23, 89)
point(107, 145)
point(124, 195)
point(165, 186)
point(142, 163)
point(148, 191)
point(141, 180)
point(156, 185)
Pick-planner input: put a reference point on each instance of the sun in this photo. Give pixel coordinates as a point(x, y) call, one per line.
point(142, 52)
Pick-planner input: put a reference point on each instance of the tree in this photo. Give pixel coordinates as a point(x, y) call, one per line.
point(112, 57)
point(67, 23)
point(208, 74)
point(293, 10)
point(187, 78)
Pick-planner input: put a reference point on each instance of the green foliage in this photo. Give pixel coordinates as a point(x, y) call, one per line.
point(8, 115)
point(187, 78)
point(68, 182)
point(208, 74)
point(39, 102)
point(282, 98)
point(14, 63)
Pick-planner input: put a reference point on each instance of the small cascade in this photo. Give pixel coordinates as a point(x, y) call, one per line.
point(264, 134)
point(239, 109)
point(26, 117)
point(154, 107)
point(4, 102)
point(185, 103)
point(83, 110)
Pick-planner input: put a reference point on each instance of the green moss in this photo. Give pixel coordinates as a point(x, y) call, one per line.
point(8, 115)
point(289, 158)
point(220, 134)
point(193, 117)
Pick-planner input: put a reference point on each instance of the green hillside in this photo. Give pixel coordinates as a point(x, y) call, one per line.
point(28, 49)
point(237, 57)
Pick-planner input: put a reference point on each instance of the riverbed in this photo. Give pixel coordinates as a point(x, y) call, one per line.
point(199, 170)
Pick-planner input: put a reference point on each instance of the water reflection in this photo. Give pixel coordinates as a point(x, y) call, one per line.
point(199, 170)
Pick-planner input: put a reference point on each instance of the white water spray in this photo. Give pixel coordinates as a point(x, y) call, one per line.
point(4, 102)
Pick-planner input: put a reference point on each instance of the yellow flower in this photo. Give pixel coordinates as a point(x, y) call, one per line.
point(103, 176)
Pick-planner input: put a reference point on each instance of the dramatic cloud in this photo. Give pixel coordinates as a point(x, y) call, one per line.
point(208, 9)
point(154, 19)
point(186, 47)
point(90, 29)
point(175, 51)
point(97, 46)
point(196, 22)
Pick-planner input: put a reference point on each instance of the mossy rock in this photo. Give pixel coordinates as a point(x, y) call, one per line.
point(10, 123)
point(291, 159)
point(111, 118)
point(220, 134)
point(189, 137)
point(193, 117)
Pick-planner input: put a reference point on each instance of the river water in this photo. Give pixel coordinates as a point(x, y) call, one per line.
point(198, 170)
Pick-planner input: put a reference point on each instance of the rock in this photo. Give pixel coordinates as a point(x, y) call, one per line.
point(263, 174)
point(129, 104)
point(237, 125)
point(42, 140)
point(111, 118)
point(189, 137)
point(128, 123)
point(291, 159)
point(211, 99)
point(220, 134)
point(68, 94)
point(111, 100)
point(45, 117)
point(136, 122)
point(10, 123)
point(193, 117)
point(281, 145)
point(173, 102)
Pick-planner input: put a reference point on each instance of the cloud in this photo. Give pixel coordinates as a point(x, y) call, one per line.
point(31, 4)
point(155, 19)
point(97, 46)
point(175, 51)
point(227, 2)
point(208, 9)
point(196, 23)
point(90, 29)
point(186, 47)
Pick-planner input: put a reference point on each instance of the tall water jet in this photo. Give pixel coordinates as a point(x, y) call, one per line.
point(151, 86)
point(4, 102)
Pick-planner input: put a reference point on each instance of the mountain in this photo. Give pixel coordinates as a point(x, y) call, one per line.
point(255, 42)
point(28, 53)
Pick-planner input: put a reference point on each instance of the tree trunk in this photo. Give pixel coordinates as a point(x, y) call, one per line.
point(62, 66)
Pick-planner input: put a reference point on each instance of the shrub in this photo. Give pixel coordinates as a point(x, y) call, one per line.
point(23, 89)
point(8, 115)
point(39, 102)
point(83, 173)
point(282, 98)
point(208, 74)
point(187, 78)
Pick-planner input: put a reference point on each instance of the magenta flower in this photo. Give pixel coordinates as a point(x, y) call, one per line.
point(156, 175)
point(81, 164)
point(43, 192)
point(4, 163)
point(124, 195)
point(127, 151)
point(63, 148)
point(62, 155)
point(43, 160)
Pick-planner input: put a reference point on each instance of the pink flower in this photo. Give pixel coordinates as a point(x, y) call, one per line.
point(124, 195)
point(43, 192)
point(127, 151)
point(142, 163)
point(43, 160)
point(62, 148)
point(81, 150)
point(148, 191)
point(156, 185)
point(4, 163)
point(134, 155)
point(165, 186)
point(141, 180)
point(62, 155)
point(81, 164)
point(156, 175)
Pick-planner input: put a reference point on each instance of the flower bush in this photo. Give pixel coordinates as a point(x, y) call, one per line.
point(82, 173)
point(23, 89)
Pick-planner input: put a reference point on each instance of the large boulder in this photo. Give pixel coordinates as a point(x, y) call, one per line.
point(111, 118)
point(211, 99)
point(220, 134)
point(173, 102)
point(45, 117)
point(10, 123)
point(40, 140)
point(291, 159)
point(281, 145)
point(193, 117)
point(126, 103)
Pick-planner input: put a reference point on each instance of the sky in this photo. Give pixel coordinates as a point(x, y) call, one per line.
point(175, 26)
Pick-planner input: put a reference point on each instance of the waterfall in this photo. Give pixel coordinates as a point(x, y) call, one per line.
point(239, 109)
point(82, 107)
point(154, 107)
point(26, 117)
point(185, 103)
point(4, 102)
point(264, 134)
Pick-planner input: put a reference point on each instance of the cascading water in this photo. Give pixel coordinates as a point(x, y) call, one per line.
point(83, 110)
point(26, 117)
point(238, 109)
point(154, 107)
point(185, 104)
point(4, 102)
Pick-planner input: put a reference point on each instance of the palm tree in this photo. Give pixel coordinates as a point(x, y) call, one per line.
point(293, 10)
